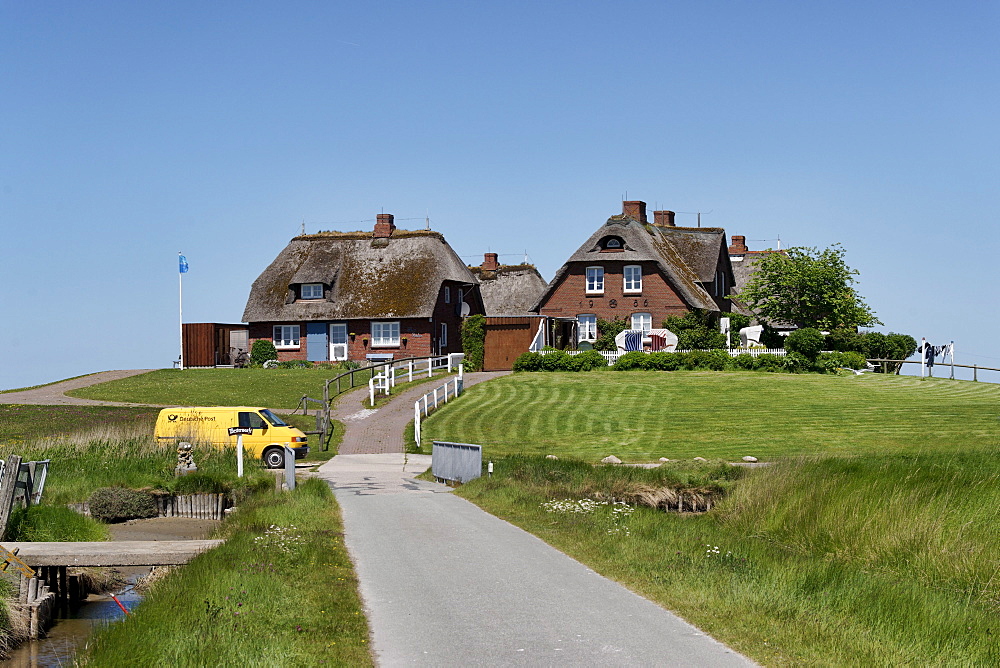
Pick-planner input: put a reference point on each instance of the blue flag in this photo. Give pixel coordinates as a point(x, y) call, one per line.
point(183, 264)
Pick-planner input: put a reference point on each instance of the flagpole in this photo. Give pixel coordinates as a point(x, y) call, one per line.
point(923, 355)
point(180, 309)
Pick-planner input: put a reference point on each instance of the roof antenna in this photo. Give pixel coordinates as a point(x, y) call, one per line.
point(427, 220)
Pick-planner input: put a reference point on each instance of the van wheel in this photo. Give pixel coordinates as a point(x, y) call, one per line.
point(274, 458)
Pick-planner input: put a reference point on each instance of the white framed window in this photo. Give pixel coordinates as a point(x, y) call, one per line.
point(447, 295)
point(595, 280)
point(385, 333)
point(643, 321)
point(443, 341)
point(586, 327)
point(719, 288)
point(633, 278)
point(286, 336)
point(312, 291)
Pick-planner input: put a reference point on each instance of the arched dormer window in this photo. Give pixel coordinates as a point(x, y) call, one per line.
point(611, 244)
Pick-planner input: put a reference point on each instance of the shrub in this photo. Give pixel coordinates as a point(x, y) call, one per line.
point(664, 361)
point(607, 330)
point(262, 351)
point(528, 362)
point(117, 504)
point(632, 361)
point(900, 347)
point(473, 342)
point(770, 363)
point(798, 363)
point(746, 361)
point(696, 330)
point(590, 359)
point(714, 360)
point(557, 360)
point(844, 339)
point(807, 342)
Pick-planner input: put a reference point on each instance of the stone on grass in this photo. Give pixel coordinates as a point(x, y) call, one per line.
point(700, 459)
point(611, 459)
point(664, 459)
point(748, 458)
point(551, 457)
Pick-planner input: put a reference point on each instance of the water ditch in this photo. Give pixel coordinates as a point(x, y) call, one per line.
point(71, 631)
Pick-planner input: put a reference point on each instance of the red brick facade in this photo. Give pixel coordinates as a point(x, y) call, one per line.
point(570, 298)
point(419, 337)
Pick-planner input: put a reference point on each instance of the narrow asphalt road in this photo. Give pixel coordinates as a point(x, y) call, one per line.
point(447, 584)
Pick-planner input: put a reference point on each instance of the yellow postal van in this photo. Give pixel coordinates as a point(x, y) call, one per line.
point(210, 424)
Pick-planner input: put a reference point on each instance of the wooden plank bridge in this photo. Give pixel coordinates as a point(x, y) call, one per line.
point(115, 553)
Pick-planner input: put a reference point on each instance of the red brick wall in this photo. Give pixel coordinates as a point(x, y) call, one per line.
point(570, 297)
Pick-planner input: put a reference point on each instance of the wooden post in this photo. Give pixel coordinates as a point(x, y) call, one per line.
point(11, 470)
point(975, 376)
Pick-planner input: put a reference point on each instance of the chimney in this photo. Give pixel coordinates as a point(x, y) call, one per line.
point(384, 226)
point(739, 245)
point(635, 209)
point(490, 262)
point(663, 219)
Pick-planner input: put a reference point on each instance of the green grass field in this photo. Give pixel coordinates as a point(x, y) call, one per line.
point(870, 539)
point(642, 416)
point(270, 388)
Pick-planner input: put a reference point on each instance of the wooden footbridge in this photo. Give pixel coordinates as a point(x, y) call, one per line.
point(117, 553)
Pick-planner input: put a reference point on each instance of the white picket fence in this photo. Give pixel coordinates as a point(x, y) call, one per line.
point(612, 355)
point(427, 403)
point(385, 380)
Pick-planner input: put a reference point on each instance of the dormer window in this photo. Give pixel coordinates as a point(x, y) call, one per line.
point(612, 244)
point(312, 291)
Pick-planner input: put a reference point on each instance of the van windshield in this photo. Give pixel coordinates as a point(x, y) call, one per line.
point(272, 418)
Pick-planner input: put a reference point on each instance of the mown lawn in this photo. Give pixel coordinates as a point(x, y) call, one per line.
point(271, 388)
point(642, 416)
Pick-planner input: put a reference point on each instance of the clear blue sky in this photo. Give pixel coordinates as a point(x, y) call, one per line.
point(134, 130)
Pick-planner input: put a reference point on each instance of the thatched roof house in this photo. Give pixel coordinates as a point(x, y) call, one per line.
point(508, 290)
point(643, 271)
point(336, 284)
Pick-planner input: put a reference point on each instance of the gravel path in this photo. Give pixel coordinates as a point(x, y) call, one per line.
point(52, 395)
point(447, 584)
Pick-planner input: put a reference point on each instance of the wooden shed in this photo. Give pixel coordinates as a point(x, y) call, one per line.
point(506, 338)
point(208, 344)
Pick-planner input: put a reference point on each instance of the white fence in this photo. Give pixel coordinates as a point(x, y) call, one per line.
point(612, 355)
point(385, 380)
point(425, 404)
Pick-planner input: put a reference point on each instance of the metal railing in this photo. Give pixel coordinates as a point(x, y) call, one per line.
point(434, 362)
point(975, 367)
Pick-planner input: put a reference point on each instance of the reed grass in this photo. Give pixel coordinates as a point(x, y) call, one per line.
point(759, 574)
point(280, 592)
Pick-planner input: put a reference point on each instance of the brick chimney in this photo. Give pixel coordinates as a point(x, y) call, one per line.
point(384, 227)
point(663, 219)
point(490, 262)
point(739, 245)
point(635, 209)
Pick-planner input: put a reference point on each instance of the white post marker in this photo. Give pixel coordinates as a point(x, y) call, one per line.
point(923, 355)
point(238, 433)
point(182, 267)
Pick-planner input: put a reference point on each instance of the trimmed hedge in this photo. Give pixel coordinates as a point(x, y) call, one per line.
point(118, 504)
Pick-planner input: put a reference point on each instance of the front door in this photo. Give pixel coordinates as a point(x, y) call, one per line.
point(316, 342)
point(338, 341)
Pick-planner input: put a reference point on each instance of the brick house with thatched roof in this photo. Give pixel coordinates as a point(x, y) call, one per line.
point(640, 271)
point(335, 296)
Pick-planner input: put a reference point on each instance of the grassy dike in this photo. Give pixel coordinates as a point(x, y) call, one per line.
point(280, 592)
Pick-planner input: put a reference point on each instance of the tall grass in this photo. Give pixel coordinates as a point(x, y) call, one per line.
point(774, 574)
point(280, 592)
point(124, 456)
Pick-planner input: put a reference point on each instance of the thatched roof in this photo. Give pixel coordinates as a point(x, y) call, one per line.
point(511, 289)
point(363, 277)
point(687, 256)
